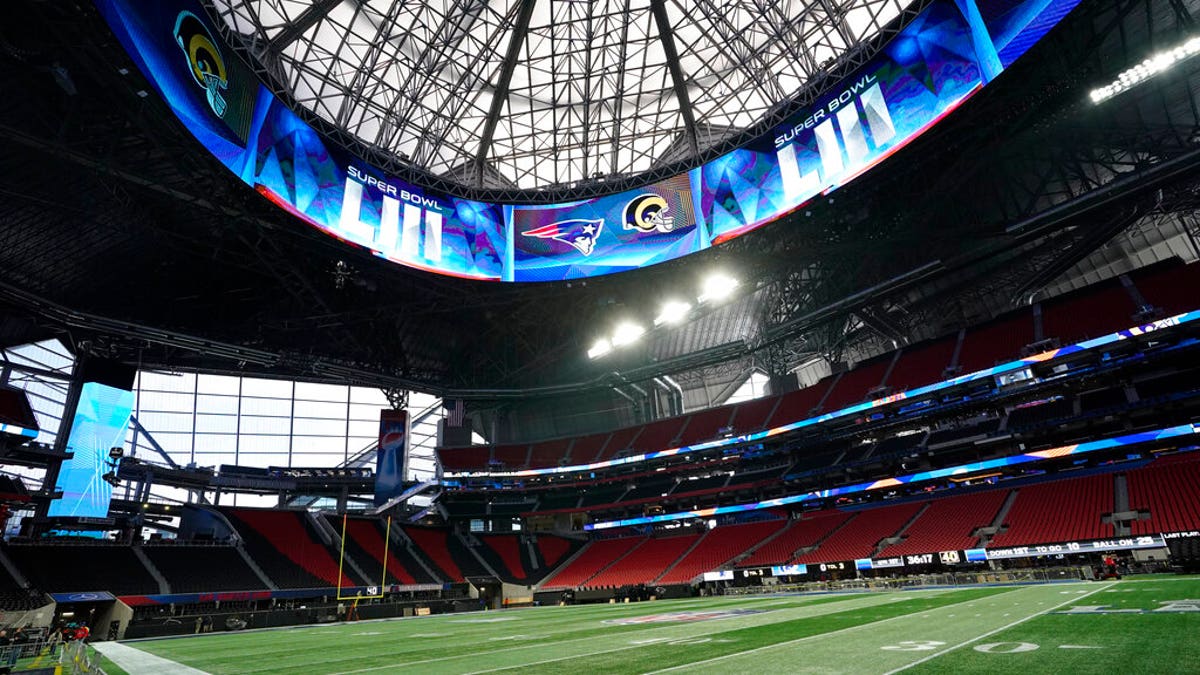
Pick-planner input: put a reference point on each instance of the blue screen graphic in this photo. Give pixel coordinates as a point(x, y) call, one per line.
point(945, 54)
point(100, 423)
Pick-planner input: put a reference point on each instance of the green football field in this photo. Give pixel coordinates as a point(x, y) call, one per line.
point(1137, 626)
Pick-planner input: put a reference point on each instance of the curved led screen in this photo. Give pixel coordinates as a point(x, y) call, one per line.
point(945, 54)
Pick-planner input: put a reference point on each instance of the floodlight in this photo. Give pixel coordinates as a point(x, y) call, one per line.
point(673, 311)
point(1146, 69)
point(599, 348)
point(717, 287)
point(627, 333)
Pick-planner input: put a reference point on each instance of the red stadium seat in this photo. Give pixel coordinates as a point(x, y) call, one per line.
point(1168, 490)
point(948, 523)
point(807, 531)
point(718, 547)
point(644, 564)
point(595, 556)
point(859, 537)
point(1059, 511)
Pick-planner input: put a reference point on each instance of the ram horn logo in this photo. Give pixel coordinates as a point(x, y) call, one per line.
point(204, 59)
point(647, 213)
point(579, 234)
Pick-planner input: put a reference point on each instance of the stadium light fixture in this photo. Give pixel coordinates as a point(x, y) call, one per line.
point(717, 287)
point(1146, 69)
point(627, 333)
point(599, 348)
point(672, 312)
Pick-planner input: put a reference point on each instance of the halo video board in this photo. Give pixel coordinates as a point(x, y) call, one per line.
point(948, 52)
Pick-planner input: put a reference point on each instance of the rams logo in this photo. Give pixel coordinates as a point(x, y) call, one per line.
point(204, 59)
point(647, 213)
point(579, 234)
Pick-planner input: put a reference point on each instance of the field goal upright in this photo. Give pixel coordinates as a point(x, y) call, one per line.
point(373, 592)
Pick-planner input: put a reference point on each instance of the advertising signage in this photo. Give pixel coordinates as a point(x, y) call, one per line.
point(948, 52)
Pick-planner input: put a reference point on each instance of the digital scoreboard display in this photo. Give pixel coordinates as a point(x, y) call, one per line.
point(944, 55)
point(100, 423)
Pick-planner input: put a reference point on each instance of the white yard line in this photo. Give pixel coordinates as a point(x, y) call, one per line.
point(998, 630)
point(776, 645)
point(138, 662)
point(822, 610)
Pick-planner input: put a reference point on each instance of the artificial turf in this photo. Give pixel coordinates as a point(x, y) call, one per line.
point(1000, 629)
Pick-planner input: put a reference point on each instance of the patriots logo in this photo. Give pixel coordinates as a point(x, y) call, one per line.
point(579, 234)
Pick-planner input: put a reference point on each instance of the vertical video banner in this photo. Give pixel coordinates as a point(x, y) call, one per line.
point(100, 423)
point(389, 459)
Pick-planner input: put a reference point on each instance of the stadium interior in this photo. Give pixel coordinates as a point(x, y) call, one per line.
point(791, 317)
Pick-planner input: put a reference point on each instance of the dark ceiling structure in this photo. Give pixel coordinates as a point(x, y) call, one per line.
point(118, 234)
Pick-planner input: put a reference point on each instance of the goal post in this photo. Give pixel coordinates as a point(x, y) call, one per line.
point(381, 588)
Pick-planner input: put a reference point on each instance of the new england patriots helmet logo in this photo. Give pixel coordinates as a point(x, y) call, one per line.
point(204, 59)
point(579, 234)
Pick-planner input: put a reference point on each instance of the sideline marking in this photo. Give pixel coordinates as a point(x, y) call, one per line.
point(1036, 614)
point(137, 662)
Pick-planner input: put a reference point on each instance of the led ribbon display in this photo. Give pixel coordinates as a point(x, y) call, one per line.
point(960, 470)
point(865, 406)
point(945, 54)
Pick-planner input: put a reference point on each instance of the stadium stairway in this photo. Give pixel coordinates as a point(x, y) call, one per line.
point(106, 567)
point(254, 567)
point(13, 572)
point(284, 545)
point(502, 553)
point(332, 539)
point(365, 541)
point(860, 536)
point(592, 559)
point(612, 563)
point(666, 573)
point(1069, 509)
point(465, 551)
point(716, 549)
point(899, 535)
point(949, 523)
point(200, 569)
point(566, 562)
point(1165, 495)
point(986, 534)
point(800, 536)
point(551, 551)
point(164, 588)
point(645, 563)
point(517, 557)
point(240, 547)
point(781, 527)
point(1122, 516)
point(414, 561)
point(433, 545)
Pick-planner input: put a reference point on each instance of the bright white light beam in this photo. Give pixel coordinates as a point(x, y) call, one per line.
point(672, 312)
point(627, 333)
point(599, 348)
point(717, 287)
point(1146, 70)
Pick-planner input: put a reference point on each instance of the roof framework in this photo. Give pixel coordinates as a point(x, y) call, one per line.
point(531, 94)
